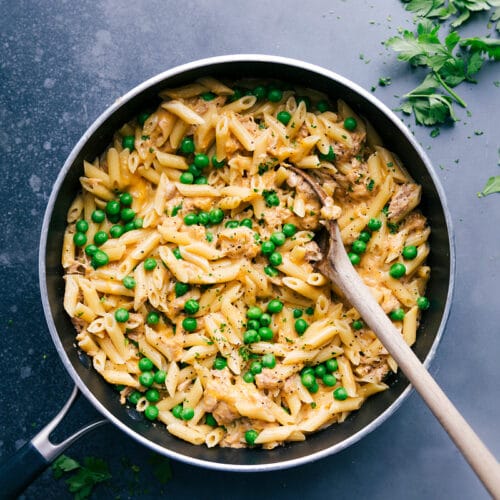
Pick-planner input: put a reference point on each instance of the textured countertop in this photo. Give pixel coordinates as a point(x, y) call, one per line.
point(62, 63)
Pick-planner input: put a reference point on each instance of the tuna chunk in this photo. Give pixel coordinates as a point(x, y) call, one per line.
point(405, 199)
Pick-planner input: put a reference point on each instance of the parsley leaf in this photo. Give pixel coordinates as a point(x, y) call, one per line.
point(450, 63)
point(92, 472)
point(492, 186)
point(490, 47)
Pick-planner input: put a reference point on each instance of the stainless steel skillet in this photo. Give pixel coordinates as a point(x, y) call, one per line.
point(37, 454)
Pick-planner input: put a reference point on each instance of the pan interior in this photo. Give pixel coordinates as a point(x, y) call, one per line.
point(103, 395)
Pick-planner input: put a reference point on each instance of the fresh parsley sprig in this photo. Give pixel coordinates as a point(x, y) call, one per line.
point(460, 9)
point(492, 186)
point(450, 62)
point(85, 477)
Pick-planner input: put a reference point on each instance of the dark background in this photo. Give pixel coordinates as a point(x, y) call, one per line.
point(62, 63)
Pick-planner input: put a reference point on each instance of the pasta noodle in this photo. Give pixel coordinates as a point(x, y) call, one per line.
point(191, 269)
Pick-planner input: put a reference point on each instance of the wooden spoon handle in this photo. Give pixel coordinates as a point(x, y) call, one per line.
point(472, 448)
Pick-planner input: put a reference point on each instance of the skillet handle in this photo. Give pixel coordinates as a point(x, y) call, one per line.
point(17, 473)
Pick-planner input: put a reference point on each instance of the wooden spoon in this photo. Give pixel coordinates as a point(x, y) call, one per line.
point(338, 268)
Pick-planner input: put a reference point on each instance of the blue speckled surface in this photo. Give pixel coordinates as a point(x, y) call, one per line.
point(62, 63)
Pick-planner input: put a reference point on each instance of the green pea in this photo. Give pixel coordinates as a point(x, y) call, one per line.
point(248, 377)
point(98, 216)
point(126, 199)
point(160, 377)
point(272, 200)
point(187, 145)
point(265, 320)
point(254, 312)
point(138, 223)
point(151, 412)
point(153, 318)
point(191, 306)
point(129, 282)
point(320, 370)
point(134, 397)
point(79, 239)
point(99, 259)
point(354, 258)
point(250, 336)
point(216, 216)
point(112, 207)
point(423, 303)
point(219, 363)
point(256, 367)
point(237, 94)
point(177, 253)
point(331, 365)
point(397, 270)
point(194, 170)
point(310, 311)
point(187, 413)
point(189, 324)
point(146, 378)
point(329, 380)
point(82, 226)
point(301, 326)
point(149, 264)
point(250, 436)
point(142, 117)
point(210, 420)
point(364, 236)
point(231, 224)
point(246, 223)
point(145, 365)
point(177, 411)
point(203, 219)
point(191, 219)
point(322, 106)
point(357, 324)
point(374, 224)
point(297, 313)
point(152, 395)
point(268, 360)
point(181, 289)
point(127, 214)
point(289, 230)
point(270, 271)
point(275, 95)
point(129, 226)
point(278, 238)
point(350, 123)
point(100, 238)
point(259, 92)
point(340, 394)
point(276, 259)
point(116, 230)
point(265, 333)
point(121, 315)
point(267, 247)
point(91, 249)
point(208, 96)
point(284, 117)
point(308, 379)
point(397, 315)
point(409, 252)
point(330, 156)
point(218, 164)
point(128, 142)
point(307, 369)
point(275, 306)
point(253, 324)
point(358, 247)
point(201, 180)
point(186, 178)
point(201, 160)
